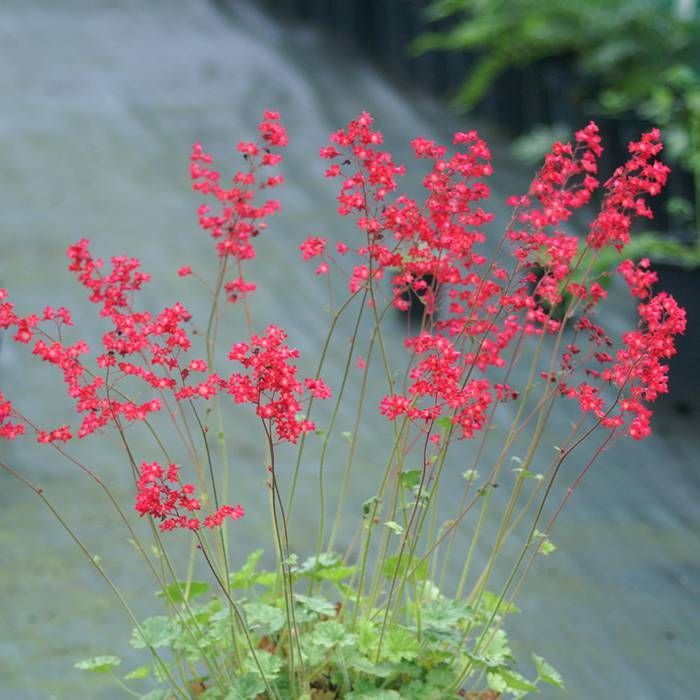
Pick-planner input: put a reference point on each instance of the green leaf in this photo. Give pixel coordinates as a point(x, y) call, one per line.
point(364, 665)
point(444, 422)
point(527, 474)
point(269, 663)
point(400, 643)
point(317, 605)
point(327, 558)
point(265, 578)
point(246, 576)
point(393, 566)
point(335, 573)
point(182, 591)
point(410, 479)
point(137, 673)
point(497, 651)
point(323, 560)
point(394, 527)
point(367, 506)
point(156, 695)
point(375, 695)
point(496, 682)
point(327, 567)
point(331, 634)
point(99, 664)
point(489, 601)
point(292, 561)
point(547, 673)
point(444, 615)
point(264, 619)
point(515, 681)
point(158, 631)
point(367, 638)
point(546, 547)
point(441, 677)
point(245, 687)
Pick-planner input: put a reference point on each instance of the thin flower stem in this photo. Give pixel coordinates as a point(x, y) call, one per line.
point(123, 685)
point(331, 424)
point(156, 535)
point(244, 628)
point(98, 567)
point(282, 542)
point(489, 628)
point(515, 494)
point(369, 519)
point(212, 478)
point(564, 454)
point(452, 527)
point(302, 441)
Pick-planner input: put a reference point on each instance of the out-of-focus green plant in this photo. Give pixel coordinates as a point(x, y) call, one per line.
point(632, 56)
point(618, 41)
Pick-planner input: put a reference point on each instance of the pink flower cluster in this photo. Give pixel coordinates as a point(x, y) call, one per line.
point(641, 176)
point(158, 496)
point(637, 372)
point(270, 383)
point(239, 219)
point(430, 248)
point(439, 388)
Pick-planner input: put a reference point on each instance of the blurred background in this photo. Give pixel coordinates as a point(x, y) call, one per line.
point(101, 101)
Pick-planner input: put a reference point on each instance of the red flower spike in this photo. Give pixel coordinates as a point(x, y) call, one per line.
point(169, 504)
point(271, 385)
point(239, 219)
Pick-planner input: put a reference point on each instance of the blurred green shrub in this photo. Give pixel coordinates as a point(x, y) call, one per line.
point(639, 57)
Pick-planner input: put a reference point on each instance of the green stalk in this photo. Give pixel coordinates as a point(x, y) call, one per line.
point(100, 570)
point(331, 425)
point(302, 442)
point(282, 542)
point(370, 526)
point(355, 433)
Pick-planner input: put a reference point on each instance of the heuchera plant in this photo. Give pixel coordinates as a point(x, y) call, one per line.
point(384, 620)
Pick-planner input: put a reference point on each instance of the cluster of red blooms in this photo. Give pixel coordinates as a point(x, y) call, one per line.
point(402, 238)
point(150, 347)
point(641, 175)
point(439, 386)
point(239, 219)
point(159, 497)
point(270, 383)
point(430, 247)
point(637, 371)
point(8, 429)
point(426, 248)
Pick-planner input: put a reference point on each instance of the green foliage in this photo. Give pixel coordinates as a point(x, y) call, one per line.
point(184, 591)
point(546, 673)
point(99, 664)
point(435, 646)
point(410, 478)
point(246, 686)
point(393, 566)
point(138, 673)
point(159, 631)
point(614, 47)
point(617, 41)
